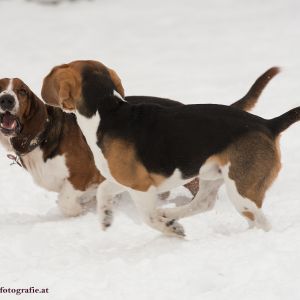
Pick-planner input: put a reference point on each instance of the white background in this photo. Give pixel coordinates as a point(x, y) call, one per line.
point(193, 51)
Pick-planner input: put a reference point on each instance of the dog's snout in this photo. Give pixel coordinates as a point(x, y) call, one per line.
point(7, 102)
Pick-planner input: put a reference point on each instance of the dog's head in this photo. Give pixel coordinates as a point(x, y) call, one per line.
point(65, 84)
point(18, 105)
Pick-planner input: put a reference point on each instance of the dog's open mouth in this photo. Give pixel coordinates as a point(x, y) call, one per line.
point(9, 124)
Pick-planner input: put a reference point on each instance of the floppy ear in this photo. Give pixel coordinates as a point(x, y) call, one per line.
point(65, 95)
point(49, 91)
point(62, 88)
point(117, 82)
point(64, 91)
point(35, 107)
point(33, 124)
point(34, 117)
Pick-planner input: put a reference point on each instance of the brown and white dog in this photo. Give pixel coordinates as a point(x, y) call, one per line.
point(147, 148)
point(50, 145)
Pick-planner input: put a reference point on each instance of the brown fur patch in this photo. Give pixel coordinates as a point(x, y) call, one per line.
point(249, 215)
point(254, 165)
point(193, 186)
point(4, 84)
point(124, 166)
point(62, 87)
point(117, 82)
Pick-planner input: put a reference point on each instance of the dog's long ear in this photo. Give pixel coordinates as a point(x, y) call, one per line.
point(49, 90)
point(34, 116)
point(35, 108)
point(33, 122)
point(62, 88)
point(117, 82)
point(66, 94)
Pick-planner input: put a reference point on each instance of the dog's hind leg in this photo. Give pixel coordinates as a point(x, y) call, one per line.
point(204, 200)
point(253, 163)
point(246, 207)
point(69, 200)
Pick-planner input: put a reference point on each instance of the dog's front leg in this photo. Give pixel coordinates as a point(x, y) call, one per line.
point(69, 200)
point(105, 193)
point(146, 203)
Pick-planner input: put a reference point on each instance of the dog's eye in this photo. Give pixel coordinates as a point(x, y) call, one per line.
point(22, 92)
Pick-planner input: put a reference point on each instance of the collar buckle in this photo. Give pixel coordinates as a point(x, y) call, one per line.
point(16, 160)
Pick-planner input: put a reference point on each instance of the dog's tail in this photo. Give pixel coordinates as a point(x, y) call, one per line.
point(281, 123)
point(250, 99)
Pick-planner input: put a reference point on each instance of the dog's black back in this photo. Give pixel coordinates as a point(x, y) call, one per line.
point(167, 138)
point(153, 100)
point(182, 136)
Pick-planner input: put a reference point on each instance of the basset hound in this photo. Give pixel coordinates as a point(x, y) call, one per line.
point(147, 148)
point(50, 146)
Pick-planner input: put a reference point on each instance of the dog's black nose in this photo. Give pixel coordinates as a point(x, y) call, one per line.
point(7, 102)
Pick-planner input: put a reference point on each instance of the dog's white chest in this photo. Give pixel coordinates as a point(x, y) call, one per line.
point(89, 127)
point(5, 142)
point(50, 174)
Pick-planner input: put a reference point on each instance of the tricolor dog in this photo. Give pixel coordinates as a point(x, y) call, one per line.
point(67, 77)
point(147, 148)
point(50, 145)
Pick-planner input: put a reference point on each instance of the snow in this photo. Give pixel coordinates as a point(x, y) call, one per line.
point(193, 51)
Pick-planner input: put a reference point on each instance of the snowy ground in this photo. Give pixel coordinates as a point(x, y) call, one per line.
point(193, 51)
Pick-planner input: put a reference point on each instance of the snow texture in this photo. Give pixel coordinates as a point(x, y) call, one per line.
point(55, 2)
point(193, 51)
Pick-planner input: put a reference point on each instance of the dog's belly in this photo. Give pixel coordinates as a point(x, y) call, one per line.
point(208, 171)
point(50, 174)
point(171, 182)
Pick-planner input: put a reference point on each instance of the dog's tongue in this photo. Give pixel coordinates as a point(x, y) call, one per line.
point(8, 121)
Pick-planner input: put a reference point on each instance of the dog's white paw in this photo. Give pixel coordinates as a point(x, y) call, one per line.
point(167, 226)
point(175, 228)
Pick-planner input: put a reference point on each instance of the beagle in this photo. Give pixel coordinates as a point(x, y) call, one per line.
point(66, 78)
point(50, 145)
point(147, 149)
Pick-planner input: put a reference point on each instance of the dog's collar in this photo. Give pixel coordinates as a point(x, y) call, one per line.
point(27, 144)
